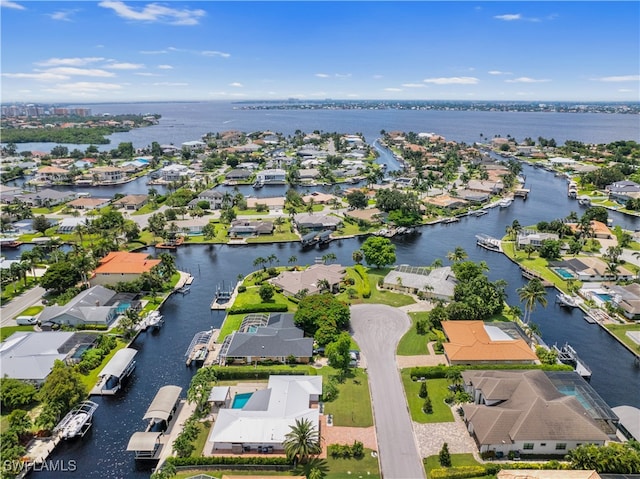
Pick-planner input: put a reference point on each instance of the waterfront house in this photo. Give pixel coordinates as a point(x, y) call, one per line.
point(534, 238)
point(29, 356)
point(175, 172)
point(122, 266)
point(263, 337)
point(369, 215)
point(274, 176)
point(524, 411)
point(477, 342)
point(193, 146)
point(590, 268)
point(51, 175)
point(273, 204)
point(317, 221)
point(292, 282)
point(238, 175)
point(319, 198)
point(131, 202)
point(94, 306)
point(107, 175)
point(486, 186)
point(446, 202)
point(89, 203)
point(211, 196)
point(262, 424)
point(307, 174)
point(627, 298)
point(251, 228)
point(436, 283)
point(472, 196)
point(191, 226)
point(623, 191)
point(598, 229)
point(46, 197)
point(69, 225)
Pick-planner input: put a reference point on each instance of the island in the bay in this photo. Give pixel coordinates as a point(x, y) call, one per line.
point(282, 384)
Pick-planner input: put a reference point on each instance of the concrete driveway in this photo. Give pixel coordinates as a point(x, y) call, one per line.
point(19, 304)
point(377, 330)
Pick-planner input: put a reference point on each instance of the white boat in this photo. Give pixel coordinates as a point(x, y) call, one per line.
point(566, 300)
point(505, 203)
point(480, 212)
point(488, 242)
point(78, 421)
point(155, 320)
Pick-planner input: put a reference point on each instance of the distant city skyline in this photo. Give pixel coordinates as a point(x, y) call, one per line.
point(127, 51)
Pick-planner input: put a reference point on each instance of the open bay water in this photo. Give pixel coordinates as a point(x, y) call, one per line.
point(160, 360)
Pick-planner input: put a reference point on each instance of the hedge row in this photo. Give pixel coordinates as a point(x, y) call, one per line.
point(366, 286)
point(460, 472)
point(213, 460)
point(439, 372)
point(261, 372)
point(259, 308)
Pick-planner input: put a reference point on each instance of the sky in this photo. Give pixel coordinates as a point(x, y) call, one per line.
point(123, 50)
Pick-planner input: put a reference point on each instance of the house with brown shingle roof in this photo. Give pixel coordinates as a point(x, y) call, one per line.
point(524, 411)
point(477, 342)
point(89, 203)
point(293, 282)
point(51, 174)
point(131, 202)
point(122, 266)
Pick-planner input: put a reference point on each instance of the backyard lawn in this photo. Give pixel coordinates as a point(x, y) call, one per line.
point(620, 330)
point(385, 296)
point(352, 406)
point(412, 343)
point(438, 391)
point(7, 331)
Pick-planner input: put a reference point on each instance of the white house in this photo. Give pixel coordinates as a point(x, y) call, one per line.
point(272, 177)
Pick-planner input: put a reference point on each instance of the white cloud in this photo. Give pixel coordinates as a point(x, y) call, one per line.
point(527, 80)
point(213, 53)
point(343, 75)
point(498, 72)
point(236, 84)
point(154, 12)
point(89, 72)
point(452, 80)
point(72, 62)
point(393, 89)
point(125, 66)
point(165, 67)
point(414, 85)
point(43, 76)
point(153, 52)
point(168, 83)
point(322, 75)
point(625, 90)
point(63, 15)
point(147, 74)
point(509, 17)
point(10, 4)
point(89, 87)
point(620, 78)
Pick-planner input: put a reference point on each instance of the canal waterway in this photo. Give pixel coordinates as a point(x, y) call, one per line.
point(160, 360)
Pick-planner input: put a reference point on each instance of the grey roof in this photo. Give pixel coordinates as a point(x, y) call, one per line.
point(30, 356)
point(279, 338)
point(47, 193)
point(316, 220)
point(144, 441)
point(238, 173)
point(163, 403)
point(529, 407)
point(119, 362)
point(89, 306)
point(440, 281)
point(211, 194)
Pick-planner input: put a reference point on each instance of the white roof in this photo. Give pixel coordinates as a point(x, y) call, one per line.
point(219, 394)
point(119, 362)
point(30, 356)
point(269, 414)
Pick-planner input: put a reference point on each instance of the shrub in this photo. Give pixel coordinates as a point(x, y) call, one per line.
point(427, 407)
point(444, 457)
point(242, 288)
point(213, 460)
point(259, 308)
point(460, 472)
point(423, 390)
point(366, 286)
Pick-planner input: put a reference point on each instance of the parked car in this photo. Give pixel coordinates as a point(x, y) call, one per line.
point(26, 320)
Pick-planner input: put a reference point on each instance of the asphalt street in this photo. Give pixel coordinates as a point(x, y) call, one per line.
point(377, 330)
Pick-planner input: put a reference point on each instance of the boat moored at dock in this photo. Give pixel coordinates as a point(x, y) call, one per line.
point(116, 372)
point(78, 421)
point(566, 300)
point(567, 355)
point(488, 242)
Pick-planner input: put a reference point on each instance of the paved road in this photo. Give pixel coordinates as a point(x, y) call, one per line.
point(377, 330)
point(18, 304)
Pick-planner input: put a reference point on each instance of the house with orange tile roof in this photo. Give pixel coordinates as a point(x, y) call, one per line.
point(600, 230)
point(122, 266)
point(477, 342)
point(51, 174)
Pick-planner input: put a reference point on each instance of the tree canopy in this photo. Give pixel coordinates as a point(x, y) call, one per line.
point(379, 251)
point(321, 311)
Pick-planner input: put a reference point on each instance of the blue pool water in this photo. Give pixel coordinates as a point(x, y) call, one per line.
point(240, 400)
point(122, 307)
point(604, 297)
point(252, 329)
point(563, 273)
point(568, 391)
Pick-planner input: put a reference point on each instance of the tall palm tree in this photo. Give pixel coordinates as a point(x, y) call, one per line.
point(531, 294)
point(302, 441)
point(456, 255)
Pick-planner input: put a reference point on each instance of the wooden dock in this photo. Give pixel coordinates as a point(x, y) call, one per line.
point(532, 275)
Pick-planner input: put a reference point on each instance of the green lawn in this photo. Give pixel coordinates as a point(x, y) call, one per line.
point(32, 311)
point(7, 331)
point(200, 441)
point(285, 234)
point(91, 379)
point(457, 460)
point(620, 330)
point(251, 296)
point(438, 391)
point(412, 343)
point(352, 407)
point(231, 323)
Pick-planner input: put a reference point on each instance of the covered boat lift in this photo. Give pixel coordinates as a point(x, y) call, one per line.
point(116, 371)
point(145, 445)
point(163, 405)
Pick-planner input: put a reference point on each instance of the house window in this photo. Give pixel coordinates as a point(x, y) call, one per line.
point(561, 446)
point(543, 444)
point(528, 446)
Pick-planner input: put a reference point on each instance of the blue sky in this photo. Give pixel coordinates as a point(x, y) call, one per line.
point(112, 50)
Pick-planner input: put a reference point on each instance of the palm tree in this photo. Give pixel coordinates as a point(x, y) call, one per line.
point(530, 294)
point(293, 259)
point(456, 255)
point(323, 285)
point(357, 256)
point(302, 441)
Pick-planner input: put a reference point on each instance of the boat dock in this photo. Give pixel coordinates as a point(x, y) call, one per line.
point(153, 320)
point(528, 274)
point(224, 298)
point(567, 355)
point(112, 376)
point(489, 242)
point(77, 422)
point(198, 349)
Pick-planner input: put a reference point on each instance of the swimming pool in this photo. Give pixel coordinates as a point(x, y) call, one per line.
point(240, 400)
point(604, 297)
point(564, 273)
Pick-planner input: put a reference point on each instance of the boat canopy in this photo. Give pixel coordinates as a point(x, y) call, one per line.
point(119, 362)
point(144, 441)
point(164, 403)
